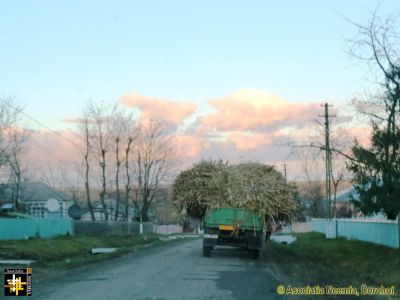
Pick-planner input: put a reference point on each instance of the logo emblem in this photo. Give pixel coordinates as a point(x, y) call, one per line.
point(18, 282)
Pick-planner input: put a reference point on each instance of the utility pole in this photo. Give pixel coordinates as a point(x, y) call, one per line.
point(328, 161)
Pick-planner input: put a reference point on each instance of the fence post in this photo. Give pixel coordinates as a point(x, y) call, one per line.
point(331, 229)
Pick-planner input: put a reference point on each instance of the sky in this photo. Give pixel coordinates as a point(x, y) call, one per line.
point(247, 71)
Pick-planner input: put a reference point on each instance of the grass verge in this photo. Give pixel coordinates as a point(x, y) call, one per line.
point(313, 260)
point(71, 251)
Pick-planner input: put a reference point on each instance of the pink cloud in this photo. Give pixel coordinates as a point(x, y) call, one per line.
point(159, 109)
point(250, 109)
point(247, 142)
point(62, 145)
point(190, 146)
point(247, 125)
point(361, 133)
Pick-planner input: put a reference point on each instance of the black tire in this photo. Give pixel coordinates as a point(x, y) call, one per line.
point(255, 254)
point(207, 251)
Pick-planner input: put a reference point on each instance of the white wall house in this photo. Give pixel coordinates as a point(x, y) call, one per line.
point(39, 200)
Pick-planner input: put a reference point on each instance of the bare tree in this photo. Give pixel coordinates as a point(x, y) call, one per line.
point(11, 143)
point(378, 44)
point(153, 162)
point(341, 142)
point(121, 123)
point(16, 144)
point(337, 178)
point(313, 190)
point(114, 138)
point(376, 168)
point(71, 180)
point(118, 165)
point(109, 133)
point(310, 151)
point(9, 115)
point(131, 135)
point(101, 115)
point(128, 177)
point(47, 174)
point(86, 129)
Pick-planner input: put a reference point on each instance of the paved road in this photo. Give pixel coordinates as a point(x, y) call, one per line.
point(176, 270)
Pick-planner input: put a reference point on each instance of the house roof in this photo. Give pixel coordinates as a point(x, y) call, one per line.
point(347, 195)
point(110, 203)
point(32, 192)
point(7, 206)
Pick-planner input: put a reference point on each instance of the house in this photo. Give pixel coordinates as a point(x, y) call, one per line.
point(161, 207)
point(111, 205)
point(346, 205)
point(37, 199)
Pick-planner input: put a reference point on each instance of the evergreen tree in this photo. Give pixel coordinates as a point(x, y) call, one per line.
point(377, 173)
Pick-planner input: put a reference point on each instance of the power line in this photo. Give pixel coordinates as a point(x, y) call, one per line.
point(41, 124)
point(40, 147)
point(69, 165)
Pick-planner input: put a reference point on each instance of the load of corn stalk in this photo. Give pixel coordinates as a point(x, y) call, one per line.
point(216, 184)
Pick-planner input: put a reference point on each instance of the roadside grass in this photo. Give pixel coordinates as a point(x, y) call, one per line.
point(316, 260)
point(71, 251)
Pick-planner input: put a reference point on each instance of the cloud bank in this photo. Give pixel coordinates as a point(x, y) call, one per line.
point(156, 109)
point(246, 125)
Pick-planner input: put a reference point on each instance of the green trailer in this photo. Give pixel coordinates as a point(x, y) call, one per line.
point(233, 227)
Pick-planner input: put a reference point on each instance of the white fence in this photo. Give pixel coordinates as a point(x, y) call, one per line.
point(381, 232)
point(301, 227)
point(110, 227)
point(167, 229)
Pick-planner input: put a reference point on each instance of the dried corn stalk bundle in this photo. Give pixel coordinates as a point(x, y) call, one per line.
point(195, 189)
point(216, 184)
point(260, 187)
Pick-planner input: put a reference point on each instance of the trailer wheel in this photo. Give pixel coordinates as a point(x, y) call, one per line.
point(255, 254)
point(207, 251)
